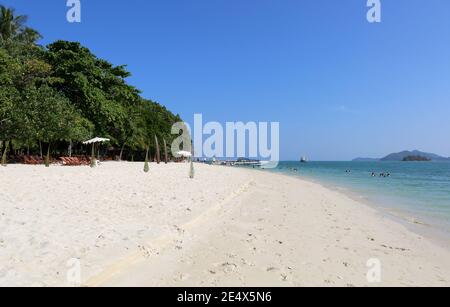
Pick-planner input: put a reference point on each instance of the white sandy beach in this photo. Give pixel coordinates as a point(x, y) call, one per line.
point(227, 227)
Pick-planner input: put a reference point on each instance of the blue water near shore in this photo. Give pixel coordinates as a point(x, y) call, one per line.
point(416, 190)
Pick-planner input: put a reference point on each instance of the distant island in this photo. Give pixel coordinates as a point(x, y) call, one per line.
point(414, 155)
point(415, 159)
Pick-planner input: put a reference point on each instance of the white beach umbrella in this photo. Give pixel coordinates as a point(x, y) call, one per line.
point(184, 154)
point(93, 142)
point(96, 140)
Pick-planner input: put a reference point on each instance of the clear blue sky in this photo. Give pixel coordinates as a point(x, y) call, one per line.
point(339, 86)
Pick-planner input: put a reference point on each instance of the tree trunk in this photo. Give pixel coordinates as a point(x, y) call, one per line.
point(158, 154)
point(93, 164)
point(5, 154)
point(11, 147)
point(47, 157)
point(70, 148)
point(40, 148)
point(121, 152)
point(166, 159)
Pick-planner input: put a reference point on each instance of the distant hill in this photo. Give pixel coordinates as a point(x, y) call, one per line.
point(405, 156)
point(400, 156)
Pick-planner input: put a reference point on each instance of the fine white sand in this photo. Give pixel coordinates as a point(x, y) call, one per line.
point(226, 227)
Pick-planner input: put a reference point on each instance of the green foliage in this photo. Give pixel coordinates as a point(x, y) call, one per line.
point(10, 111)
point(63, 93)
point(53, 117)
point(12, 27)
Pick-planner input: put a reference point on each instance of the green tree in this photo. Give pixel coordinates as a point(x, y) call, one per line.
point(96, 88)
point(63, 94)
point(11, 119)
point(53, 118)
point(12, 27)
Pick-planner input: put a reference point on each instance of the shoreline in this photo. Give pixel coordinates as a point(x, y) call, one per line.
point(419, 224)
point(426, 226)
point(415, 223)
point(226, 227)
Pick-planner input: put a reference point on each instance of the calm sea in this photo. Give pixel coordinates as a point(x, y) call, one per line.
point(416, 191)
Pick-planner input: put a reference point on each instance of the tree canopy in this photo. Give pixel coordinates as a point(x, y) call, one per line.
point(63, 94)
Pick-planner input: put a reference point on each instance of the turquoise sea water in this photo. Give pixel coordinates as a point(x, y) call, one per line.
point(414, 190)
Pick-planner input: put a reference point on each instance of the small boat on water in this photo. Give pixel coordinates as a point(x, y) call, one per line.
point(303, 159)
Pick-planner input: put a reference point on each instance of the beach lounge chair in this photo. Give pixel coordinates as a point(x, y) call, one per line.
point(32, 160)
point(65, 161)
point(37, 160)
point(71, 161)
point(27, 160)
point(84, 160)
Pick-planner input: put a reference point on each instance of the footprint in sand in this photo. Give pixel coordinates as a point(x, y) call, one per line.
point(245, 262)
point(271, 269)
point(182, 277)
point(146, 252)
point(229, 267)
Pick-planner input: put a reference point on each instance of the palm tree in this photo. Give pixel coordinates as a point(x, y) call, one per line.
point(29, 36)
point(12, 27)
